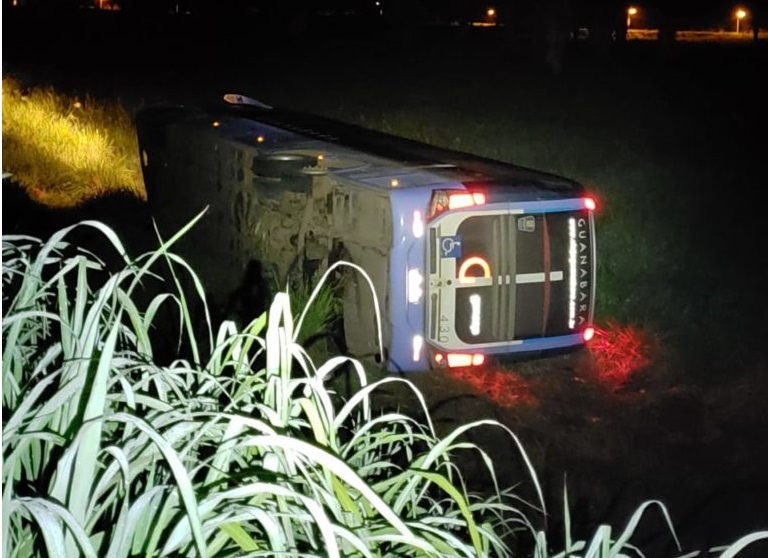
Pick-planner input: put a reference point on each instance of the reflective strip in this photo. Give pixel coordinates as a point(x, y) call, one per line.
point(523, 278)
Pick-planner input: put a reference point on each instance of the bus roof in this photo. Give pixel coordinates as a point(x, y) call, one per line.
point(403, 153)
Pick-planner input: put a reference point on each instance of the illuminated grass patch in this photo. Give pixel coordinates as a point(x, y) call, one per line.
point(64, 151)
point(503, 387)
point(621, 351)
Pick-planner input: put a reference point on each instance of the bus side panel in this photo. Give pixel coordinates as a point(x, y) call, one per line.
point(262, 224)
point(246, 242)
point(362, 222)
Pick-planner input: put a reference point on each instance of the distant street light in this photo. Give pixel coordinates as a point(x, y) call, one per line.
point(490, 17)
point(740, 14)
point(630, 12)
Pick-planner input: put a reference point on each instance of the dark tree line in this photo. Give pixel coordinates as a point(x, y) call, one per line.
point(548, 25)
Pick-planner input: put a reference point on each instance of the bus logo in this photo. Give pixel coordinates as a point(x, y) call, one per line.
point(450, 246)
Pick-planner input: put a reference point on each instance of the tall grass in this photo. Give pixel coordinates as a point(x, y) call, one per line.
point(240, 452)
point(323, 306)
point(243, 452)
point(65, 150)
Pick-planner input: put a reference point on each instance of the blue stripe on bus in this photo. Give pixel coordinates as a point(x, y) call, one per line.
point(549, 206)
point(544, 343)
point(407, 253)
point(528, 345)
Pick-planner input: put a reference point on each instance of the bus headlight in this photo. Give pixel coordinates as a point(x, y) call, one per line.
point(418, 224)
point(418, 346)
point(415, 286)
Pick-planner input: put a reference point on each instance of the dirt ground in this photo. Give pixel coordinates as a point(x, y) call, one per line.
point(616, 444)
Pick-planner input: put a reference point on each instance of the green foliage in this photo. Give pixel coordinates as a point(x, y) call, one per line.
point(64, 150)
point(240, 452)
point(317, 305)
point(108, 454)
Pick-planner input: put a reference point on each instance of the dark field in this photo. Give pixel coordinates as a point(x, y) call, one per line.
point(673, 143)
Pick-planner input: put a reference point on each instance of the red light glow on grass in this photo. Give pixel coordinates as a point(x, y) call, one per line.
point(504, 388)
point(620, 351)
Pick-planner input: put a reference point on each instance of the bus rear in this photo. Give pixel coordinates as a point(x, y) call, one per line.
point(501, 275)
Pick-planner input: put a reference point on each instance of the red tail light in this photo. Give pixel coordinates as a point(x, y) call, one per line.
point(443, 200)
point(459, 200)
point(459, 360)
